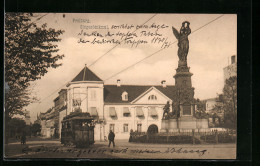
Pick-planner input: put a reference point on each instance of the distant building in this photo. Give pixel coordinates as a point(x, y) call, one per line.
point(231, 69)
point(49, 123)
point(60, 106)
point(214, 107)
point(212, 103)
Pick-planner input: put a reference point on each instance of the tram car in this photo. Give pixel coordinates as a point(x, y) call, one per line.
point(78, 129)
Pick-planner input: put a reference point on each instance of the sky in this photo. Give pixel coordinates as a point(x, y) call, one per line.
point(210, 48)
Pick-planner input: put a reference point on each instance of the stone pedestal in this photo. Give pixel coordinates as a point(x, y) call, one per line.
point(165, 126)
point(172, 125)
point(187, 122)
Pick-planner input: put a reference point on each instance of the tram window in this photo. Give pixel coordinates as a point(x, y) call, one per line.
point(78, 125)
point(68, 125)
point(85, 125)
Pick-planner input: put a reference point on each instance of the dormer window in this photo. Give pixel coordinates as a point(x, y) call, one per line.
point(124, 96)
point(152, 97)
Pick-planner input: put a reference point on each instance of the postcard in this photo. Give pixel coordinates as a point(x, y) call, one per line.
point(120, 86)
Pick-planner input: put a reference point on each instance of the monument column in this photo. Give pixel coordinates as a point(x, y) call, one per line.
point(183, 83)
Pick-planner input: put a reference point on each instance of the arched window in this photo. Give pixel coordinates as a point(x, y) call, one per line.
point(152, 97)
point(124, 96)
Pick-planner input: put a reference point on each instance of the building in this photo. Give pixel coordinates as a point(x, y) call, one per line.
point(120, 108)
point(210, 104)
point(49, 123)
point(60, 106)
point(231, 69)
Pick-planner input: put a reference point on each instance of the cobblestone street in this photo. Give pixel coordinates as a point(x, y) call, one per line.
point(123, 149)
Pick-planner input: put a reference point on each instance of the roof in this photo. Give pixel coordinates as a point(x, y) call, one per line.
point(86, 75)
point(112, 93)
point(210, 99)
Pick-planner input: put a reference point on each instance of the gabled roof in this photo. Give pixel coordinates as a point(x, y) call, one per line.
point(86, 75)
point(112, 93)
point(150, 89)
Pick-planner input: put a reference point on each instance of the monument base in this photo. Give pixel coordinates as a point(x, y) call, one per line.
point(173, 125)
point(184, 122)
point(187, 122)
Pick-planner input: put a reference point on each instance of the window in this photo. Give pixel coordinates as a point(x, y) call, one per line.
point(124, 96)
point(76, 102)
point(112, 111)
point(125, 128)
point(139, 128)
point(126, 112)
point(93, 95)
point(76, 97)
point(139, 112)
point(76, 93)
point(152, 97)
point(152, 112)
point(112, 127)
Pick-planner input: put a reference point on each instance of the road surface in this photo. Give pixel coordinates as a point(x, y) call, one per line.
point(123, 150)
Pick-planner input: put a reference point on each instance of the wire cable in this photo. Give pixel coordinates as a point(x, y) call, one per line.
point(162, 49)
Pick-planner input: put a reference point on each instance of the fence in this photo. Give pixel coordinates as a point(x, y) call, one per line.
point(186, 137)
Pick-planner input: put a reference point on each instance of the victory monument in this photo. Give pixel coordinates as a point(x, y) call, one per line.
point(183, 109)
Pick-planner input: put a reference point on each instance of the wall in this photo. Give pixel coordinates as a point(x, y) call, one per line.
point(62, 114)
point(230, 70)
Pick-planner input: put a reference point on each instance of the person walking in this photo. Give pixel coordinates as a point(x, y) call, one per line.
point(111, 137)
point(23, 139)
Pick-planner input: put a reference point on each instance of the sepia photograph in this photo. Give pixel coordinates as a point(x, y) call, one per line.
point(120, 86)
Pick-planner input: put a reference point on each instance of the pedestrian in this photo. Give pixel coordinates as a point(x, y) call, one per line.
point(111, 138)
point(23, 139)
point(131, 133)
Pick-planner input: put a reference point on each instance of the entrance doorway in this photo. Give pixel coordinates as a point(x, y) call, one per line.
point(152, 129)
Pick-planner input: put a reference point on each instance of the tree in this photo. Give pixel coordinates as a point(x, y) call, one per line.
point(36, 127)
point(200, 113)
point(230, 102)
point(29, 51)
point(16, 127)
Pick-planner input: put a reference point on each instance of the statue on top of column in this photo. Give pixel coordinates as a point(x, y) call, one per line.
point(183, 42)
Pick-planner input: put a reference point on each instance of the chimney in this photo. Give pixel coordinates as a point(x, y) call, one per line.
point(233, 59)
point(163, 83)
point(118, 83)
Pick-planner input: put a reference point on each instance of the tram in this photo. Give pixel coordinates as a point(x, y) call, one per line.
point(78, 129)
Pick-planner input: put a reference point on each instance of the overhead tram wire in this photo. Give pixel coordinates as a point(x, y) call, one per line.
point(157, 52)
point(92, 62)
point(161, 49)
point(120, 42)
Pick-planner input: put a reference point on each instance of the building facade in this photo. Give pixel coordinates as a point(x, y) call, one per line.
point(60, 106)
point(231, 69)
point(120, 108)
point(48, 122)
